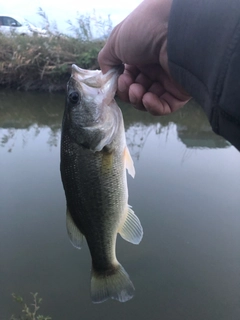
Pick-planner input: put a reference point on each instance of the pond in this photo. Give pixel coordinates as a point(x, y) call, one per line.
point(185, 193)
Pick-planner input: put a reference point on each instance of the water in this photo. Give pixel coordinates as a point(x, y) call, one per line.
point(186, 194)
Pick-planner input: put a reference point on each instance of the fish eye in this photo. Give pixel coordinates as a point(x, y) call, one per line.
point(74, 97)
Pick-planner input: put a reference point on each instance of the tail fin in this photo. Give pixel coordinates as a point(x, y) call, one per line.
point(116, 285)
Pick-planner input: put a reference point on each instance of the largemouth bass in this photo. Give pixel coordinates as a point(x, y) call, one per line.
point(94, 159)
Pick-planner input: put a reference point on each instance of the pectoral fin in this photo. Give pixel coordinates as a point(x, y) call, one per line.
point(129, 162)
point(75, 236)
point(131, 229)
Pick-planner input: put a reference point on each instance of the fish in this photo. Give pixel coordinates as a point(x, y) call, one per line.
point(94, 160)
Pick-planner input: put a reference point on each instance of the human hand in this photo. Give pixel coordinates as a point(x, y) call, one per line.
point(140, 42)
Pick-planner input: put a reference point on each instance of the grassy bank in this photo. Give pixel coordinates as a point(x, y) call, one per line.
point(43, 63)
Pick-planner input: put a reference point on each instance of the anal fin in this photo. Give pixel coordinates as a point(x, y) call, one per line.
point(75, 235)
point(131, 230)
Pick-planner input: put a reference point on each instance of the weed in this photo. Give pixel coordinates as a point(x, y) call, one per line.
point(44, 63)
point(29, 312)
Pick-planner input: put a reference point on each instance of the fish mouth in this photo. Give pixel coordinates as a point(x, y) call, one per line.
point(95, 78)
point(92, 78)
point(83, 72)
point(75, 68)
point(94, 85)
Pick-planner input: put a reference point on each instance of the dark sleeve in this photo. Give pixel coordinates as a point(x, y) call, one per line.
point(204, 57)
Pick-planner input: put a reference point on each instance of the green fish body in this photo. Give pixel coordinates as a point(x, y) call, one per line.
point(94, 159)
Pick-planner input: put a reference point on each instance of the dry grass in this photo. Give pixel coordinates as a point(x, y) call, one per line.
point(43, 63)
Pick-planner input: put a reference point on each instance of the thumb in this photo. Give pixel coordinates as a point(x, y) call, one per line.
point(107, 57)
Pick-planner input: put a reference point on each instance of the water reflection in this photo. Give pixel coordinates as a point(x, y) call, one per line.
point(185, 193)
point(37, 111)
point(23, 116)
point(192, 128)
